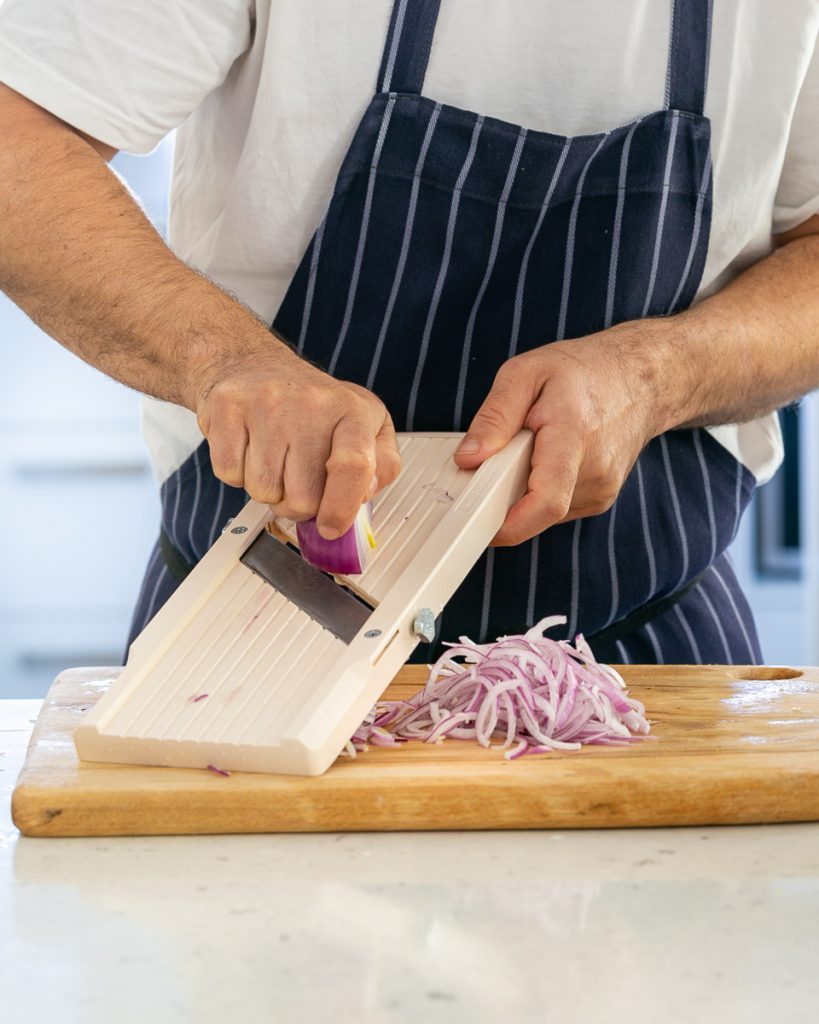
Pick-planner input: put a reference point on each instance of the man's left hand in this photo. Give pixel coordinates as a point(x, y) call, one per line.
point(593, 403)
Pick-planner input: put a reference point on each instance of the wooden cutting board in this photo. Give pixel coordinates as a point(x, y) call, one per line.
point(729, 745)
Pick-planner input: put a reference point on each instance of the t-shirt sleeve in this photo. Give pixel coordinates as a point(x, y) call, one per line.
point(797, 197)
point(125, 72)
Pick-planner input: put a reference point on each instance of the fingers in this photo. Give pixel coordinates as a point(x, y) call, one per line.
point(387, 456)
point(228, 444)
point(557, 458)
point(501, 416)
point(350, 470)
point(299, 441)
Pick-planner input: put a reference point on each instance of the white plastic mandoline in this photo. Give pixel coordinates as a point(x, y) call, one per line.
point(249, 675)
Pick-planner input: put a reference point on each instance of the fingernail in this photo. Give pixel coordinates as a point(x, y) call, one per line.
point(329, 532)
point(469, 446)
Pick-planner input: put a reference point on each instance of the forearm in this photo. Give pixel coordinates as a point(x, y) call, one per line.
point(745, 351)
point(79, 256)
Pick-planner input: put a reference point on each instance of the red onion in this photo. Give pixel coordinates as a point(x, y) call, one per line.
point(532, 694)
point(347, 554)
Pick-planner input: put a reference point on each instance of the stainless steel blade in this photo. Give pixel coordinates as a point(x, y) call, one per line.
point(316, 594)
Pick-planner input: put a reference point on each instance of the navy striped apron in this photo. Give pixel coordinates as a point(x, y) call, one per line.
point(453, 241)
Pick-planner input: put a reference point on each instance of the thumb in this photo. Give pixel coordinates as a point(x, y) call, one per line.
point(501, 416)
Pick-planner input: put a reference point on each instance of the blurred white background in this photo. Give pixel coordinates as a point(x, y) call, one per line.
point(79, 507)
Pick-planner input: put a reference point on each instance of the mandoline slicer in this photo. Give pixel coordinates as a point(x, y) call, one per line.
point(261, 663)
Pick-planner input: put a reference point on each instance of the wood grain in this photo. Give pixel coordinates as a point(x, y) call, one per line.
point(728, 745)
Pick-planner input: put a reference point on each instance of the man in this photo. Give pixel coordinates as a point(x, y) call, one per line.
point(429, 267)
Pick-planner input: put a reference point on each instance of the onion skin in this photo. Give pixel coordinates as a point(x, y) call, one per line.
point(344, 556)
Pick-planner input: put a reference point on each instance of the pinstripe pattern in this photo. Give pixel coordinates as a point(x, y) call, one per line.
point(624, 657)
point(675, 502)
point(697, 629)
point(574, 604)
point(689, 635)
point(671, 41)
point(613, 576)
point(695, 235)
point(655, 644)
point(709, 496)
point(160, 578)
point(439, 284)
point(618, 224)
point(655, 262)
point(487, 590)
point(524, 266)
point(735, 610)
point(405, 281)
point(392, 46)
point(652, 562)
point(311, 282)
point(706, 600)
point(569, 262)
point(153, 604)
point(217, 515)
point(533, 574)
point(172, 533)
point(405, 242)
point(490, 266)
point(195, 508)
point(362, 236)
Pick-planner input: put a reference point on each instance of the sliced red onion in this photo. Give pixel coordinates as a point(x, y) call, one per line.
point(532, 694)
point(346, 555)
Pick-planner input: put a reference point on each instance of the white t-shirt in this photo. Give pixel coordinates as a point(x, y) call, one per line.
point(265, 97)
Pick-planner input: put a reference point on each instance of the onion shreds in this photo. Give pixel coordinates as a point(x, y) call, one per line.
point(531, 694)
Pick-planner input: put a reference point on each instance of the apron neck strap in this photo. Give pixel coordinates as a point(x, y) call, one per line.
point(409, 40)
point(688, 55)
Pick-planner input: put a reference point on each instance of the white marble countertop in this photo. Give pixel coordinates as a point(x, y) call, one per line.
point(651, 926)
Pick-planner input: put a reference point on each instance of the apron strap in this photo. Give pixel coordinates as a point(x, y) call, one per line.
point(643, 615)
point(409, 41)
point(177, 564)
point(688, 55)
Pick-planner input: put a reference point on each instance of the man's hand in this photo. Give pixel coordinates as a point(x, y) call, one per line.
point(86, 265)
point(592, 404)
point(297, 439)
point(595, 402)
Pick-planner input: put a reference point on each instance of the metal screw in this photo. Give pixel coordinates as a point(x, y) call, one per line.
point(239, 529)
point(372, 633)
point(423, 625)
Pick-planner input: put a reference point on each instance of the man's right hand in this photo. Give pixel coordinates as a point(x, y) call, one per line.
point(294, 437)
point(86, 265)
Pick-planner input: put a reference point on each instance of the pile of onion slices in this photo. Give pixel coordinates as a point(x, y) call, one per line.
point(527, 693)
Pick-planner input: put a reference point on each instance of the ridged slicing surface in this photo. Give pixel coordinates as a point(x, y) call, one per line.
point(250, 652)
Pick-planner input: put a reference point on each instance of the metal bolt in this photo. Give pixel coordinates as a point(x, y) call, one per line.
point(239, 529)
point(372, 633)
point(423, 625)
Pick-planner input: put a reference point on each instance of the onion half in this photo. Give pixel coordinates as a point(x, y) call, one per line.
point(346, 555)
point(531, 694)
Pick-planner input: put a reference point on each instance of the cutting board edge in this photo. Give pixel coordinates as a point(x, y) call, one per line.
point(752, 795)
point(516, 796)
